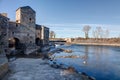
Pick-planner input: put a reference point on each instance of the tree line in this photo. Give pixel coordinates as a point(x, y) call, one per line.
point(97, 33)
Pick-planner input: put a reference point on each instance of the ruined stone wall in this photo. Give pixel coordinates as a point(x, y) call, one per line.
point(3, 45)
point(38, 34)
point(19, 31)
point(26, 17)
point(3, 32)
point(22, 34)
point(13, 30)
point(38, 31)
point(24, 28)
point(45, 35)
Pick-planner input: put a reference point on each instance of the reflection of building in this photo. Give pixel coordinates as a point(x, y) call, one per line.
point(24, 33)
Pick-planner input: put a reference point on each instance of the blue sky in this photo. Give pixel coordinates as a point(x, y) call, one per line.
point(67, 17)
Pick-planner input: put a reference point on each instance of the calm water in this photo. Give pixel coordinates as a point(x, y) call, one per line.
point(101, 62)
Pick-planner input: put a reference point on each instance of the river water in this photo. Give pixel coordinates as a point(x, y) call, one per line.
point(101, 62)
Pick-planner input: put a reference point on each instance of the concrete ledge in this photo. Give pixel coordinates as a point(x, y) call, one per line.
point(3, 69)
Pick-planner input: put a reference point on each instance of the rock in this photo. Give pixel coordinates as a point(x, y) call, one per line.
point(67, 50)
point(63, 66)
point(54, 64)
point(3, 67)
point(91, 78)
point(83, 73)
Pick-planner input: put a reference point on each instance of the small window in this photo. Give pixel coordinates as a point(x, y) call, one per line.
point(13, 32)
point(30, 19)
point(27, 34)
point(16, 20)
point(16, 25)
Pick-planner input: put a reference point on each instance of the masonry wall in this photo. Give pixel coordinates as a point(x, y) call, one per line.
point(26, 17)
point(3, 45)
point(45, 35)
point(24, 28)
point(4, 24)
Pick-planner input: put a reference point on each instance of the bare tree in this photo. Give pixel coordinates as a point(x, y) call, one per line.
point(52, 34)
point(98, 33)
point(94, 34)
point(107, 33)
point(86, 30)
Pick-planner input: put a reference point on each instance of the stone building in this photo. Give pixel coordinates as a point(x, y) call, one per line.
point(38, 35)
point(4, 24)
point(42, 35)
point(24, 34)
point(22, 31)
point(26, 16)
point(20, 35)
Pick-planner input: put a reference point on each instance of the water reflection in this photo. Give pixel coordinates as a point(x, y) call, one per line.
point(102, 62)
point(85, 57)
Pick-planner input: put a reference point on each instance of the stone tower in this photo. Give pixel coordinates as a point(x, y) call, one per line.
point(26, 16)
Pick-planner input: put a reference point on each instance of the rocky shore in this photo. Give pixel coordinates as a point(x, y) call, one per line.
point(38, 69)
point(3, 66)
point(33, 67)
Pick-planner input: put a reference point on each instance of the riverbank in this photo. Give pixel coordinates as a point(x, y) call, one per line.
point(97, 44)
point(38, 69)
point(3, 66)
point(101, 62)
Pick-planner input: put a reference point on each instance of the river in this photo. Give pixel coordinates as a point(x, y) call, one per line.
point(101, 62)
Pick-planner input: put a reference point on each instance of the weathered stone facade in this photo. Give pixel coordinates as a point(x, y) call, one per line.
point(4, 24)
point(26, 16)
point(42, 35)
point(26, 31)
point(22, 34)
